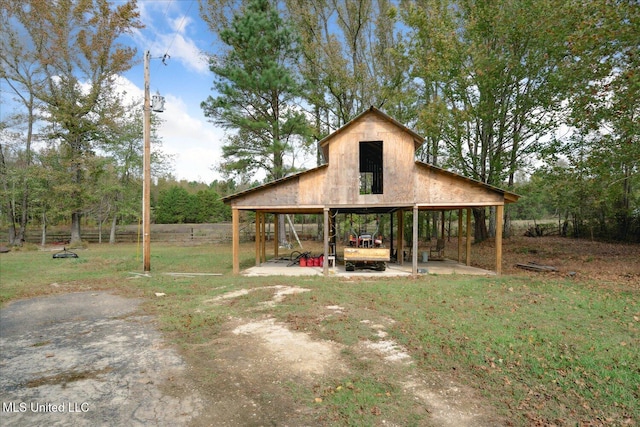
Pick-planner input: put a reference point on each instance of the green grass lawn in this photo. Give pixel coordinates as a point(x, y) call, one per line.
point(540, 351)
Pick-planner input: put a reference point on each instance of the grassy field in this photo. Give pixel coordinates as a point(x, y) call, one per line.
point(541, 350)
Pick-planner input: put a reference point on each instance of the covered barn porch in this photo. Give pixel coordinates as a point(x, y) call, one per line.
point(407, 258)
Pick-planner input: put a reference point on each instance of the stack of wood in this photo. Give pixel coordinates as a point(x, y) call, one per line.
point(534, 266)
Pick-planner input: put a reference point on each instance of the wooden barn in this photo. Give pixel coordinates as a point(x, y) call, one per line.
point(370, 168)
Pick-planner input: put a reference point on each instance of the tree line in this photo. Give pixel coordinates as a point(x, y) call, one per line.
point(189, 203)
point(538, 97)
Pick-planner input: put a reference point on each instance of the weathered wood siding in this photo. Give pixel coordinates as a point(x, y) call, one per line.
point(405, 182)
point(312, 188)
point(283, 194)
point(436, 188)
point(343, 175)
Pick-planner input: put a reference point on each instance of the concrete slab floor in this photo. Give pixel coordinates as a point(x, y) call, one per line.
point(279, 268)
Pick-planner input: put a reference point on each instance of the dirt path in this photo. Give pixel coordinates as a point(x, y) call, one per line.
point(260, 364)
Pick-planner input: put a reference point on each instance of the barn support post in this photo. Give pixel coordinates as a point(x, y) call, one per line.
point(499, 227)
point(391, 240)
point(263, 238)
point(258, 237)
point(414, 251)
point(325, 265)
point(333, 232)
point(400, 249)
point(235, 240)
point(459, 236)
point(468, 259)
point(276, 242)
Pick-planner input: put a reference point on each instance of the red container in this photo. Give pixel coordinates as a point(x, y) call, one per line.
point(303, 262)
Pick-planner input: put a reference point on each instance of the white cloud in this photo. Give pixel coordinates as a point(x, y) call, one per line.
point(180, 23)
point(186, 134)
point(194, 141)
point(166, 34)
point(186, 51)
point(126, 86)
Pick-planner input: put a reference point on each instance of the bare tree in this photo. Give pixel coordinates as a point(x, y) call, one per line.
point(21, 71)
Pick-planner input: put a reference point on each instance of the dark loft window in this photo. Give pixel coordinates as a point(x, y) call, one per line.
point(371, 167)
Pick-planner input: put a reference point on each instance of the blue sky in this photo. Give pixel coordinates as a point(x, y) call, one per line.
point(176, 28)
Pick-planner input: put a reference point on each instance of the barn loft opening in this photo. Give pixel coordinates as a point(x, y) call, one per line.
point(371, 167)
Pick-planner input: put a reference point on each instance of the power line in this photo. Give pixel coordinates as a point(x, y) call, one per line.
point(167, 9)
point(177, 30)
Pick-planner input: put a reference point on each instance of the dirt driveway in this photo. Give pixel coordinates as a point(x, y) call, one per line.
point(88, 359)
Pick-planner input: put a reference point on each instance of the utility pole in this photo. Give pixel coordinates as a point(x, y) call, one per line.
point(158, 106)
point(146, 184)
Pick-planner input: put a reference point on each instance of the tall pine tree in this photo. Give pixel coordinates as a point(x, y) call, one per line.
point(257, 94)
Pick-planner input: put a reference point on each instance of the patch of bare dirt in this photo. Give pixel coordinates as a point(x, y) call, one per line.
point(259, 367)
point(447, 402)
point(292, 351)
